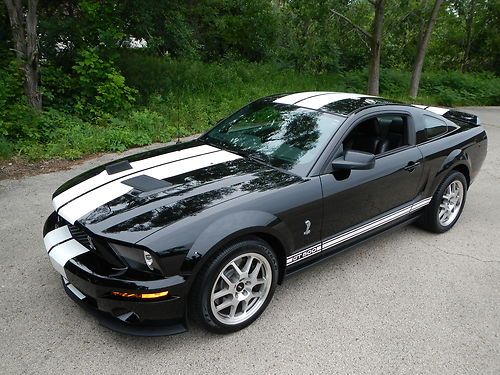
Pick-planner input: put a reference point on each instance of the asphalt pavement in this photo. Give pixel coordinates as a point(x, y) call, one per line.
point(406, 302)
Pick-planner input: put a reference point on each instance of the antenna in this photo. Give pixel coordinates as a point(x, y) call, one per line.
point(178, 123)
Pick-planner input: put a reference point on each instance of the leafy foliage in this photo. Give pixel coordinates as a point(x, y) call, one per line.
point(101, 87)
point(119, 74)
point(192, 96)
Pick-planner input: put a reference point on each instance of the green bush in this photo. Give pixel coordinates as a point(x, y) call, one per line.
point(58, 88)
point(455, 89)
point(102, 89)
point(5, 148)
point(186, 97)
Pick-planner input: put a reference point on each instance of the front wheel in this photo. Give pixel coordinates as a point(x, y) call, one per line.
point(446, 205)
point(235, 286)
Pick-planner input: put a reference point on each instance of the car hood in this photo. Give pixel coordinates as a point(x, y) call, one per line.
point(132, 198)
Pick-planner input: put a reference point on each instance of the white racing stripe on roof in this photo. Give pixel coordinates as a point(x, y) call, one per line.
point(317, 102)
point(137, 166)
point(294, 98)
point(88, 202)
point(437, 110)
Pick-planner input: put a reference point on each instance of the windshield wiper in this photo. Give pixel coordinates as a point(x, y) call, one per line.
point(263, 158)
point(255, 155)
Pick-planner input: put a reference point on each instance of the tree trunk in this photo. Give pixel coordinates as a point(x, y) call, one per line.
point(422, 49)
point(468, 33)
point(375, 48)
point(23, 24)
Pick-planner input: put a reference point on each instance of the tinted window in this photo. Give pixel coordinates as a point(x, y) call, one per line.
point(284, 136)
point(434, 126)
point(378, 135)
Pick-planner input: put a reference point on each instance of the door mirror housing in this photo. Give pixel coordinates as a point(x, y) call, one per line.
point(354, 160)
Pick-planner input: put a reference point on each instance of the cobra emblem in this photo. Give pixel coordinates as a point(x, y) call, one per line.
point(308, 227)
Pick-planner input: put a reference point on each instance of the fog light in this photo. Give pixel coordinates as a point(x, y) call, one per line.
point(149, 260)
point(141, 295)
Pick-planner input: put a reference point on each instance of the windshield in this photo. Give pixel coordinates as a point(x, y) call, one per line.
point(284, 136)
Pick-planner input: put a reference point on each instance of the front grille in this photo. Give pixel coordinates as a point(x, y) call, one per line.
point(97, 246)
point(79, 235)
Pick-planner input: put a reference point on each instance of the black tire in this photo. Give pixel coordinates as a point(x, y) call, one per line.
point(430, 217)
point(200, 308)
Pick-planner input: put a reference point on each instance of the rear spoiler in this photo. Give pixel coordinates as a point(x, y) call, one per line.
point(457, 117)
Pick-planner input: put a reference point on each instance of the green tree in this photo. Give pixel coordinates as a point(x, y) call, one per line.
point(240, 28)
point(23, 21)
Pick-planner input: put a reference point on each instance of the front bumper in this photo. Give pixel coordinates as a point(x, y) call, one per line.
point(92, 290)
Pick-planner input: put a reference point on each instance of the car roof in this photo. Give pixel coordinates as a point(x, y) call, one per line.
point(342, 103)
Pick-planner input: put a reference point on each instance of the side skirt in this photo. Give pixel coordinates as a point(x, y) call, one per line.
point(361, 230)
point(329, 254)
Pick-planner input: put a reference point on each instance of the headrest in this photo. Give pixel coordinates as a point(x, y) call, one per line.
point(370, 127)
point(397, 125)
point(384, 124)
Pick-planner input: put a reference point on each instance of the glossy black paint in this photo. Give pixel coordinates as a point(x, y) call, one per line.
point(202, 211)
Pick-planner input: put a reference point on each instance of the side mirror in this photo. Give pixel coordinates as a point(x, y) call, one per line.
point(354, 160)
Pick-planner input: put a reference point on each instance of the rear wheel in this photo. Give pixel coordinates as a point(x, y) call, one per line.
point(235, 286)
point(446, 205)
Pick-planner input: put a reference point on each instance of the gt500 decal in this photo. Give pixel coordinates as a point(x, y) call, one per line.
point(350, 234)
point(303, 254)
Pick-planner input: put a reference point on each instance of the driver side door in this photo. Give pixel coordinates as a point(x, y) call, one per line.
point(354, 200)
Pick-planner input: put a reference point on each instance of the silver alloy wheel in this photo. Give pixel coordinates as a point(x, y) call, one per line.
point(241, 288)
point(451, 202)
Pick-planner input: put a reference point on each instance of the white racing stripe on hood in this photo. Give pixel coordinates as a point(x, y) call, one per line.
point(63, 252)
point(316, 102)
point(137, 166)
point(88, 202)
point(294, 98)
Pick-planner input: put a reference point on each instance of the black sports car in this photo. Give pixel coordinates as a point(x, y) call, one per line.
point(208, 228)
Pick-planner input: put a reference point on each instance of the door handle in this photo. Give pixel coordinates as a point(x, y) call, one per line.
point(411, 166)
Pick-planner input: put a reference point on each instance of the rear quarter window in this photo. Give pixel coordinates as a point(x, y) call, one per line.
point(434, 126)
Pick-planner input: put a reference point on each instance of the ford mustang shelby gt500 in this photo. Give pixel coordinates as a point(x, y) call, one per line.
point(208, 228)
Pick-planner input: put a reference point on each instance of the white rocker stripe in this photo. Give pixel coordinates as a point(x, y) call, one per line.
point(366, 228)
point(56, 236)
point(62, 253)
point(420, 204)
point(316, 102)
point(336, 240)
point(137, 166)
point(294, 98)
point(88, 202)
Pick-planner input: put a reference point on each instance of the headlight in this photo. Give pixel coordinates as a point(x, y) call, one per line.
point(149, 260)
point(136, 258)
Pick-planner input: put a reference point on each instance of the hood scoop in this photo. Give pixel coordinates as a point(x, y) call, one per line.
point(146, 184)
point(118, 167)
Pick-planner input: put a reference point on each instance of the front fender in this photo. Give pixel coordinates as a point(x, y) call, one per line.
point(232, 226)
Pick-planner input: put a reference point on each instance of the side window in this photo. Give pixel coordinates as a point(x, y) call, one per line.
point(434, 127)
point(378, 134)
